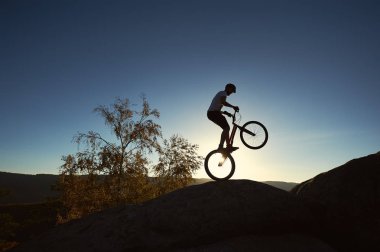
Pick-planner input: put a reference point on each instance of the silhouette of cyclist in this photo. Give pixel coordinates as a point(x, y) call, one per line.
point(214, 113)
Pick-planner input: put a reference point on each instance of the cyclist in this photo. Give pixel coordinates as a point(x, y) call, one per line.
point(214, 113)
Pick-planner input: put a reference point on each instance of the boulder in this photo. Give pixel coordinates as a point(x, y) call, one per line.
point(266, 243)
point(346, 201)
point(205, 215)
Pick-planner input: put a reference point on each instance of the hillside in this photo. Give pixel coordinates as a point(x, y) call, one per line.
point(241, 215)
point(27, 189)
point(338, 210)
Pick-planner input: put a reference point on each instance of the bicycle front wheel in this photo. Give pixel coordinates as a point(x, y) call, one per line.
point(219, 165)
point(254, 135)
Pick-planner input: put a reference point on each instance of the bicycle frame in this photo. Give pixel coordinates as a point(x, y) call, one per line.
point(236, 126)
point(249, 133)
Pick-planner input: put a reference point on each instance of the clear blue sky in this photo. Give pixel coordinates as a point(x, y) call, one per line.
point(309, 70)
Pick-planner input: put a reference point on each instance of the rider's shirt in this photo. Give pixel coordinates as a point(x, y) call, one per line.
point(216, 104)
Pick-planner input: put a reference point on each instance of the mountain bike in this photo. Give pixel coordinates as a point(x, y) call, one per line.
point(219, 164)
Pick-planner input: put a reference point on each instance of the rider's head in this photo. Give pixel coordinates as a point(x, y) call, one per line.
point(230, 88)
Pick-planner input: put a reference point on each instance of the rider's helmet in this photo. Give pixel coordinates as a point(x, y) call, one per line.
point(232, 86)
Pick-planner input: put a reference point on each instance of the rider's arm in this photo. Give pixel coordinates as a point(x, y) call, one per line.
point(225, 103)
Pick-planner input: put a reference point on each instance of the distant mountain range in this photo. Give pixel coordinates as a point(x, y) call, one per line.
point(27, 189)
point(22, 188)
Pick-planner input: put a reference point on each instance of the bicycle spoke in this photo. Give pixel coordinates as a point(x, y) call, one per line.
point(219, 166)
point(254, 135)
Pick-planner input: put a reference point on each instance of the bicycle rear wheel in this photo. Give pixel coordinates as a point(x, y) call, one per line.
point(219, 166)
point(254, 135)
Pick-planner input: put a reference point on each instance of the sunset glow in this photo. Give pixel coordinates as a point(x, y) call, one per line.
point(307, 70)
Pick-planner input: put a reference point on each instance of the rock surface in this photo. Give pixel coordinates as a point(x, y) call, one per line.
point(272, 243)
point(236, 214)
point(347, 202)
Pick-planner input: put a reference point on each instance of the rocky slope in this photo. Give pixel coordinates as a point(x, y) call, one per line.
point(236, 215)
point(346, 201)
point(336, 211)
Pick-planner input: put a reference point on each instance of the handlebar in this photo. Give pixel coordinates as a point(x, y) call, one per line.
point(229, 114)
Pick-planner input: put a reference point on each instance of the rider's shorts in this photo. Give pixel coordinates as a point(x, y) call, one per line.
point(218, 118)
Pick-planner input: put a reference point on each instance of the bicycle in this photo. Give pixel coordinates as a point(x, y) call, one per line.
point(219, 164)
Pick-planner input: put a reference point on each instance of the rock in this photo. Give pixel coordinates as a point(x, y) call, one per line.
point(272, 243)
point(347, 203)
point(195, 216)
point(215, 211)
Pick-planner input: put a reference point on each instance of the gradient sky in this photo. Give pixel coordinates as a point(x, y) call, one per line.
point(309, 70)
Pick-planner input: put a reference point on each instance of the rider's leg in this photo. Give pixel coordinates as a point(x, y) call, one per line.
point(220, 120)
point(225, 136)
point(230, 148)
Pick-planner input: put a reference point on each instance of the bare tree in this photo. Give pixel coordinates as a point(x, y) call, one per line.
point(107, 173)
point(123, 163)
point(177, 162)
